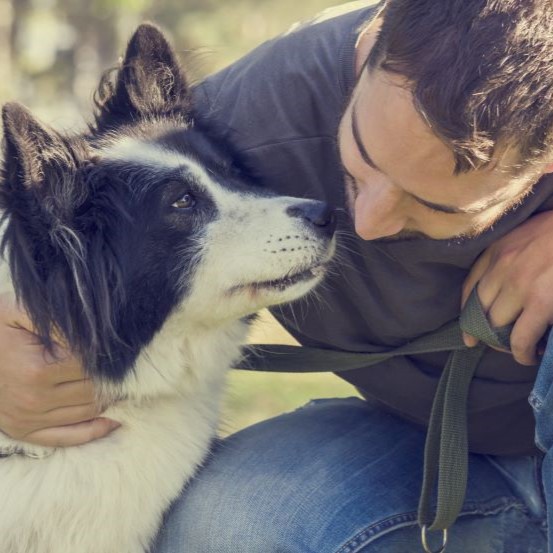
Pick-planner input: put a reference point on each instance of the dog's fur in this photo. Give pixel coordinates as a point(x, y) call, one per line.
point(140, 245)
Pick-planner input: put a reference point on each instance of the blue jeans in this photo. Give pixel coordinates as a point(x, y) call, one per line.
point(340, 476)
point(541, 400)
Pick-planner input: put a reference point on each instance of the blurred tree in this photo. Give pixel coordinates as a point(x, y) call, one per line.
point(6, 25)
point(52, 51)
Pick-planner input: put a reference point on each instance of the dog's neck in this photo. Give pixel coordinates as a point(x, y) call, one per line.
point(180, 358)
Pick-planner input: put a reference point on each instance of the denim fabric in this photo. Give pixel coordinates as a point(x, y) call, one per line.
point(541, 400)
point(339, 476)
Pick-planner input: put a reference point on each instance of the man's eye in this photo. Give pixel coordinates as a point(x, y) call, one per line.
point(186, 202)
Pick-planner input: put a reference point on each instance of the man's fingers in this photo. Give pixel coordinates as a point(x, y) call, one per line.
point(525, 337)
point(45, 397)
point(63, 416)
point(64, 369)
point(73, 393)
point(486, 298)
point(505, 309)
point(478, 269)
point(75, 434)
point(470, 341)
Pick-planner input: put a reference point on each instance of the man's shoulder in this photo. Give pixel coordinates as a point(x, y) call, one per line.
point(290, 85)
point(332, 14)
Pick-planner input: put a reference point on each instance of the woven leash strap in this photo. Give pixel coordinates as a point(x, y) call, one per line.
point(446, 450)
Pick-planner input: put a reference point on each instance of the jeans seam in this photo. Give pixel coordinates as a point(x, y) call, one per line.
point(538, 464)
point(535, 401)
point(382, 527)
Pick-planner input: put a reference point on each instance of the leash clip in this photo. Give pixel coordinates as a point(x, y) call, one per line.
point(424, 541)
point(23, 453)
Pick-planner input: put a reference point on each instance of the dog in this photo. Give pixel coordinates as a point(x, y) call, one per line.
point(144, 247)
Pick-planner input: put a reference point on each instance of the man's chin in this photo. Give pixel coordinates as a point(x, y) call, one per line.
point(404, 235)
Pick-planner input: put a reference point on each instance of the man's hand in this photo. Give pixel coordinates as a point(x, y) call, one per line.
point(515, 285)
point(43, 400)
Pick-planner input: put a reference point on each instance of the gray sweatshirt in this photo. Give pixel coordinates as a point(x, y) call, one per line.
point(280, 105)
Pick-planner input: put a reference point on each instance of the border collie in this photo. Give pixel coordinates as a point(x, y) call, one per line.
point(143, 247)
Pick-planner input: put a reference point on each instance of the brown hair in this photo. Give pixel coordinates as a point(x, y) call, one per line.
point(480, 71)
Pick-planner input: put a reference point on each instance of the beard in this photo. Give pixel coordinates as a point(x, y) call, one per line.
point(403, 235)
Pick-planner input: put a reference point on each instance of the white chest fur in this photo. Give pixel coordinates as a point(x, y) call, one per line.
point(108, 496)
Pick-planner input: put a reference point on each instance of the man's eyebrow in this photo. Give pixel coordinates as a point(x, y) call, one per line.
point(368, 160)
point(360, 146)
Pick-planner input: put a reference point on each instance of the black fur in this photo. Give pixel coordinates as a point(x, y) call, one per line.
point(97, 252)
point(148, 84)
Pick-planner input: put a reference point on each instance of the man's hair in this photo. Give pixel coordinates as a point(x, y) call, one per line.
point(480, 71)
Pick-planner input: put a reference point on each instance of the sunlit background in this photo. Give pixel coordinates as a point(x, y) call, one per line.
point(52, 53)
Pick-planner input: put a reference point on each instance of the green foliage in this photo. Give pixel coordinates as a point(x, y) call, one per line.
point(122, 5)
point(253, 397)
point(58, 48)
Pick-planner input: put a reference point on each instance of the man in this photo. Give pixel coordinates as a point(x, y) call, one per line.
point(443, 113)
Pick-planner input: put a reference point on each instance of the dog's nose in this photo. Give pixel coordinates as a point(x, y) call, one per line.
point(317, 214)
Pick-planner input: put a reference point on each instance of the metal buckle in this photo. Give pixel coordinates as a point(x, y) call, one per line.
point(425, 545)
point(21, 452)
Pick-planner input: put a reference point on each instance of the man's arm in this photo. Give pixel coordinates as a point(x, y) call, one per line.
point(43, 400)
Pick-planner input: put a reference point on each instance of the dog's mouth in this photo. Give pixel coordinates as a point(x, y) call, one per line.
point(281, 284)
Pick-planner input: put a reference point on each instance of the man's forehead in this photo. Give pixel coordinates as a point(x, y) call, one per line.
point(400, 142)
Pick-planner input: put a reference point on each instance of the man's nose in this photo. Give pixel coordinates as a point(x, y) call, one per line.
point(379, 212)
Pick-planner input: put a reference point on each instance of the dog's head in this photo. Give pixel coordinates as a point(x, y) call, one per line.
point(109, 232)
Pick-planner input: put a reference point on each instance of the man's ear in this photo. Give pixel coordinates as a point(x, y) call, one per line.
point(31, 149)
point(149, 82)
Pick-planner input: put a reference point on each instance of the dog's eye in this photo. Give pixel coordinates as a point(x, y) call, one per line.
point(186, 202)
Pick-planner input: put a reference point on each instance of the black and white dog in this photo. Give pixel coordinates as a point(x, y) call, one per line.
point(141, 245)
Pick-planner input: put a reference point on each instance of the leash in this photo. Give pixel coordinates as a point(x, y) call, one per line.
point(446, 447)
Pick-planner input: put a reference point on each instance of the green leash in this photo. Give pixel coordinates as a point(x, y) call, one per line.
point(446, 449)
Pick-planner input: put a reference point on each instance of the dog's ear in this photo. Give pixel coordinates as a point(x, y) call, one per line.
point(31, 149)
point(43, 185)
point(39, 170)
point(149, 83)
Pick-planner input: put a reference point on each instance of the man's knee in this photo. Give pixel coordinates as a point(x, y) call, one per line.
point(210, 518)
point(299, 482)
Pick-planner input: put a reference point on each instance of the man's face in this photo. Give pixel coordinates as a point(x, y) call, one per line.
point(399, 175)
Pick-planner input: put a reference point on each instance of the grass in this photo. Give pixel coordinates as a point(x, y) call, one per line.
point(253, 397)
